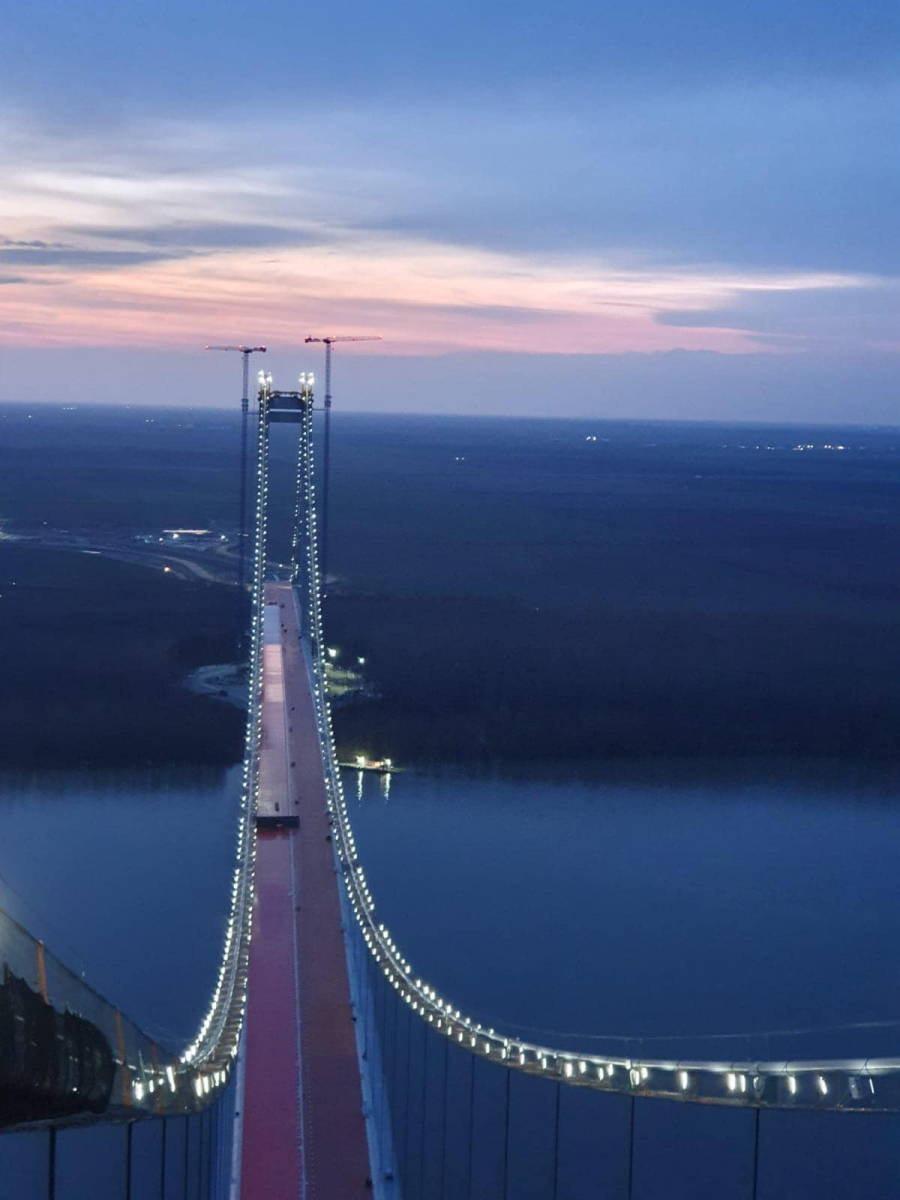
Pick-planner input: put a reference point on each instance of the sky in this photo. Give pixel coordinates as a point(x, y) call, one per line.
point(650, 209)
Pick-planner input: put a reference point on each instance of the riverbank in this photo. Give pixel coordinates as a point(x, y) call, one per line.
point(96, 651)
point(222, 681)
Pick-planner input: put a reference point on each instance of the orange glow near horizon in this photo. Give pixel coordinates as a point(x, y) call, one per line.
point(85, 261)
point(423, 299)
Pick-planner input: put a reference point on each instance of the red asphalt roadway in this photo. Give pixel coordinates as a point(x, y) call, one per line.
point(302, 1123)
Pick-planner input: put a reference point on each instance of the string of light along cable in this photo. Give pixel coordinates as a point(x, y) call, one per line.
point(844, 1084)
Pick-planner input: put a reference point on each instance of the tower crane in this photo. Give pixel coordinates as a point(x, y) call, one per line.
point(328, 342)
point(245, 352)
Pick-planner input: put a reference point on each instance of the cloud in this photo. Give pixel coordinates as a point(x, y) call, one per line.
point(592, 179)
point(866, 313)
point(423, 298)
point(34, 244)
point(763, 176)
point(213, 235)
point(194, 56)
point(517, 231)
point(71, 256)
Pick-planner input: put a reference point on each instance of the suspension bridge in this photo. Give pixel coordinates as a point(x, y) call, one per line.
point(325, 1065)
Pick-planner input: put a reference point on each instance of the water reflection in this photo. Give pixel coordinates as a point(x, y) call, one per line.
point(641, 915)
point(126, 875)
point(384, 778)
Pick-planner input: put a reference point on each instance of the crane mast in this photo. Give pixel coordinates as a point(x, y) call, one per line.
point(245, 352)
point(326, 465)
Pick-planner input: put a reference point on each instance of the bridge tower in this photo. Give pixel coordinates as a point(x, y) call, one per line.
point(291, 407)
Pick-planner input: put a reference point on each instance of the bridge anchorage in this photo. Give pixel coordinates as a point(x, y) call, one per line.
point(452, 1108)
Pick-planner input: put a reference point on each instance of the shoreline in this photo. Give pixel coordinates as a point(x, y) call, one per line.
point(226, 682)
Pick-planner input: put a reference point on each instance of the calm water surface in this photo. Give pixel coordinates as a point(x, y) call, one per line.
point(644, 911)
point(126, 876)
point(720, 591)
point(670, 573)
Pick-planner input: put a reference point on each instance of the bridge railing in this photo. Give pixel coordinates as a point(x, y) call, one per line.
point(447, 1122)
point(187, 1157)
point(67, 1054)
point(411, 1032)
point(460, 1111)
point(854, 1083)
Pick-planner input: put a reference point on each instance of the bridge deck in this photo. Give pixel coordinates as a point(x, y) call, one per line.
point(273, 805)
point(271, 1164)
point(298, 963)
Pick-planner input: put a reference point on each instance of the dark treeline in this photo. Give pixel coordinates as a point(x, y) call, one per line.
point(520, 592)
point(664, 593)
point(95, 654)
point(499, 681)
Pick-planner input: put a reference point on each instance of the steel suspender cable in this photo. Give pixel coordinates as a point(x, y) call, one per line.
point(630, 1147)
point(471, 1115)
point(506, 1142)
point(444, 1120)
point(51, 1166)
point(162, 1163)
point(755, 1175)
point(556, 1142)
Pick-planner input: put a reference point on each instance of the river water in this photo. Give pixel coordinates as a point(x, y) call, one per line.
point(705, 614)
point(620, 914)
point(126, 877)
point(657, 914)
